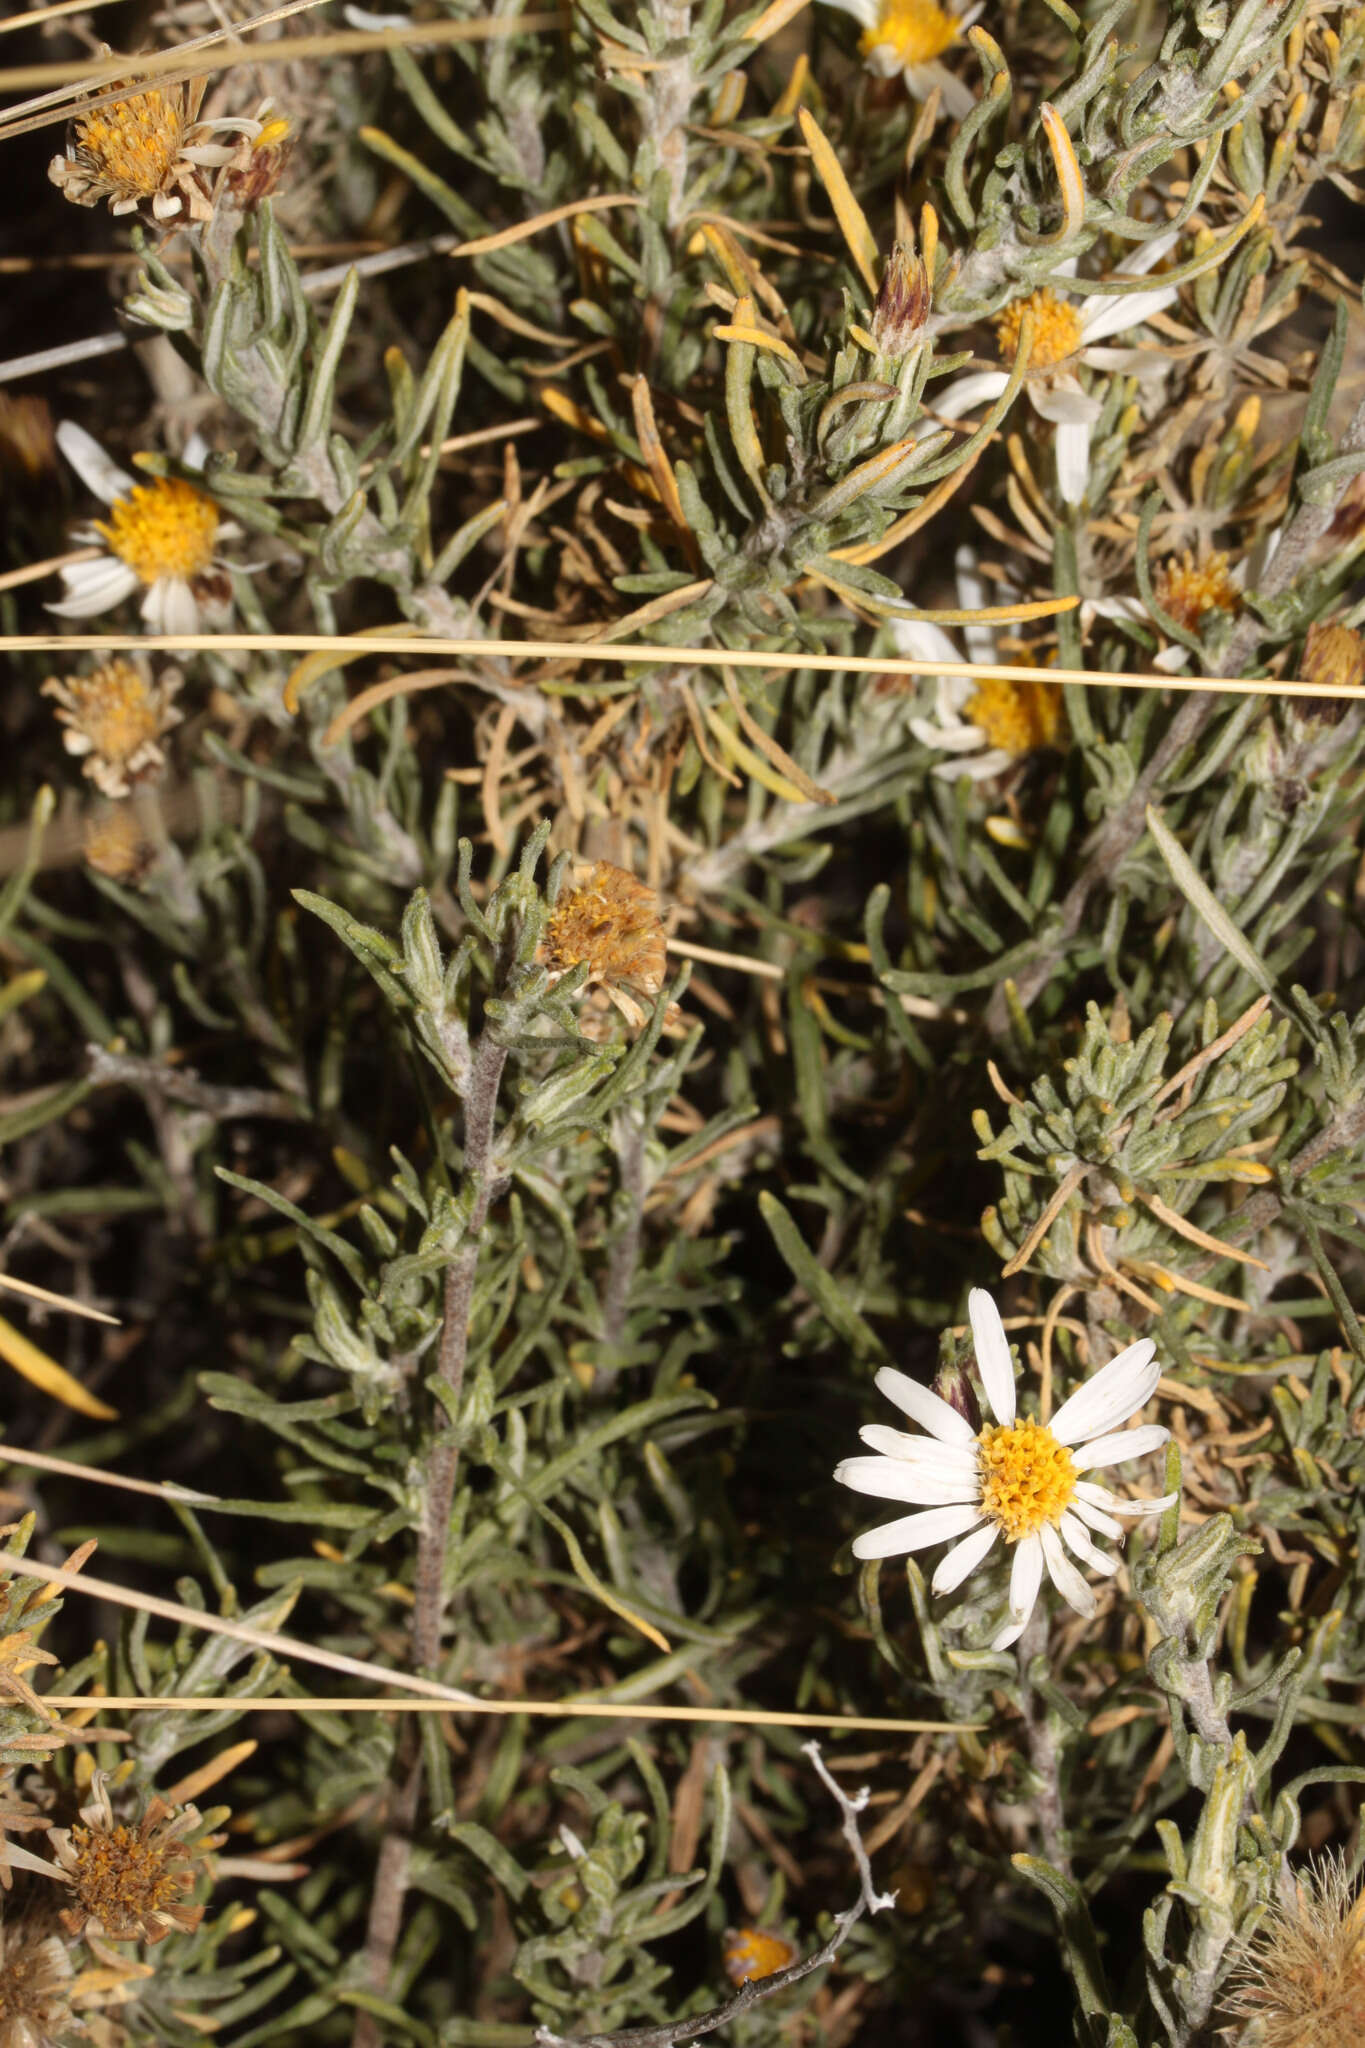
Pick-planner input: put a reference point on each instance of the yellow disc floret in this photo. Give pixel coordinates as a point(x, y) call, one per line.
point(166, 528)
point(133, 144)
point(116, 709)
point(1057, 331)
point(915, 30)
point(1016, 716)
point(1027, 1477)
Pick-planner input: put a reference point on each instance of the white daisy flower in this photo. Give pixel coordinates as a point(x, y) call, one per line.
point(1066, 336)
point(982, 725)
point(160, 538)
point(1014, 1478)
point(910, 37)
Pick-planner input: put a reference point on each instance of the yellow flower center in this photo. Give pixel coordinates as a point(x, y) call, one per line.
point(1187, 589)
point(163, 529)
point(611, 921)
point(133, 143)
point(751, 1952)
point(1056, 329)
point(1027, 1477)
point(1016, 717)
point(115, 708)
point(916, 30)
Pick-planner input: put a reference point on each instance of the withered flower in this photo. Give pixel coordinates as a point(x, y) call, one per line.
point(1302, 1976)
point(611, 923)
point(1189, 589)
point(116, 717)
point(35, 1985)
point(131, 1883)
point(1335, 655)
point(151, 151)
point(115, 844)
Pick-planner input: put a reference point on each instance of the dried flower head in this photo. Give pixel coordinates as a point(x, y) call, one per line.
point(903, 303)
point(1189, 590)
point(257, 164)
point(150, 151)
point(609, 922)
point(1302, 1976)
point(1334, 655)
point(28, 445)
point(116, 716)
point(115, 844)
point(131, 1883)
point(35, 1985)
point(753, 1952)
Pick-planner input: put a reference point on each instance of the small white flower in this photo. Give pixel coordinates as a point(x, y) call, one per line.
point(1017, 1479)
point(985, 725)
point(161, 538)
point(910, 37)
point(1066, 336)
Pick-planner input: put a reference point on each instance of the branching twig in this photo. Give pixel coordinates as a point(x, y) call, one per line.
point(674, 2032)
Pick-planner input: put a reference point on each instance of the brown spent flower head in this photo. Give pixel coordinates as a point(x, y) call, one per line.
point(116, 717)
point(130, 153)
point(115, 844)
point(753, 1952)
point(1302, 1976)
point(1189, 590)
point(35, 1985)
point(257, 164)
point(904, 299)
point(131, 1882)
point(1334, 655)
point(609, 922)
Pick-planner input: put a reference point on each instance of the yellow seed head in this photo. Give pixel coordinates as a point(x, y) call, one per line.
point(1016, 716)
point(916, 31)
point(1027, 1477)
point(1057, 330)
point(114, 706)
point(166, 528)
point(1189, 590)
point(114, 844)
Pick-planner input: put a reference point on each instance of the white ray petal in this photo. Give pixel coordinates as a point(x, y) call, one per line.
point(993, 1360)
point(1004, 1638)
point(1094, 1516)
point(1120, 1447)
point(893, 1479)
point(949, 739)
point(1064, 402)
point(1110, 1396)
point(959, 1459)
point(1078, 1543)
point(1114, 315)
point(924, 1407)
point(1063, 1572)
point(921, 640)
point(916, 1532)
point(979, 768)
point(964, 1557)
point(96, 470)
point(965, 392)
point(1143, 1506)
point(170, 606)
point(958, 97)
point(1073, 460)
point(94, 594)
point(1026, 1576)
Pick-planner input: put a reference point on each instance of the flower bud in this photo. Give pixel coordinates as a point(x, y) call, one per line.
point(903, 303)
point(952, 1383)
